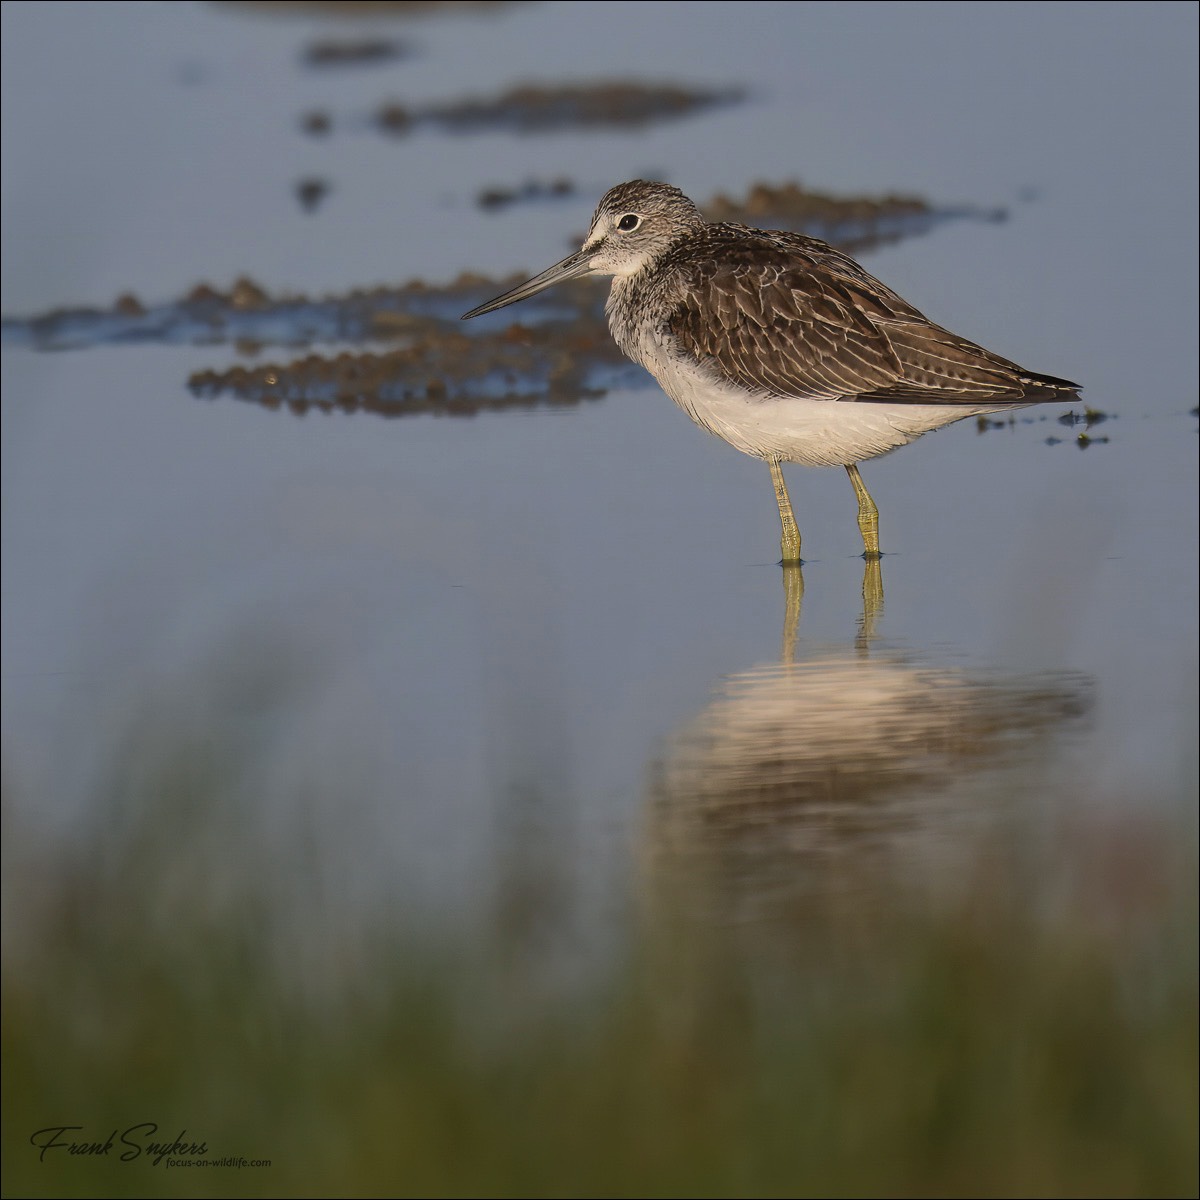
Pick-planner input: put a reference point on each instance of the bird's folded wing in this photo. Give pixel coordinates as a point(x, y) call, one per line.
point(817, 326)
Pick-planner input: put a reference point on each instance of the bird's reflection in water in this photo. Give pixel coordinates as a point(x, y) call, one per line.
point(837, 755)
point(793, 596)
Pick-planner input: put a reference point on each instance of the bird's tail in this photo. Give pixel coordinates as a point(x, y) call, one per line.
point(1047, 387)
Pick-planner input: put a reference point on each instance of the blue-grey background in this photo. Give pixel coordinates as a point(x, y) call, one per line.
point(463, 610)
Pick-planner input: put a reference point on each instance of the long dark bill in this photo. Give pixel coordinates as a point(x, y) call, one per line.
point(571, 267)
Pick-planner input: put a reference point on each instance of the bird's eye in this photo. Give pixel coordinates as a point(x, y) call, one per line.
point(628, 222)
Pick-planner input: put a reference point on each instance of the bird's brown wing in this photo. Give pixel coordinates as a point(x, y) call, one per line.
point(784, 315)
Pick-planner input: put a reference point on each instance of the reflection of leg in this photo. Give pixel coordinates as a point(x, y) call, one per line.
point(790, 541)
point(872, 593)
point(868, 514)
point(793, 594)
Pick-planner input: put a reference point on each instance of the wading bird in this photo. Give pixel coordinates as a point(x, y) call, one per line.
point(779, 343)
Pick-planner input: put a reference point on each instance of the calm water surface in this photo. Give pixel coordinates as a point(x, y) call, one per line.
point(436, 656)
point(540, 599)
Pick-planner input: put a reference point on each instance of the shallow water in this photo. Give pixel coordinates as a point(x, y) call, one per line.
point(444, 657)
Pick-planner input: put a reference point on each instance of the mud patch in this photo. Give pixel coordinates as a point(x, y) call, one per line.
point(493, 199)
point(438, 371)
point(532, 108)
point(248, 314)
point(852, 223)
point(990, 424)
point(317, 123)
point(310, 193)
point(358, 52)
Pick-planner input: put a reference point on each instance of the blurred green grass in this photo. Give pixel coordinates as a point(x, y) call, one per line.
point(1031, 1034)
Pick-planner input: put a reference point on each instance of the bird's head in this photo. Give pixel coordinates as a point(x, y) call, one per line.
point(634, 224)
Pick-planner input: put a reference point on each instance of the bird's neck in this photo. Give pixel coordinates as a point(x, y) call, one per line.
point(634, 303)
point(626, 310)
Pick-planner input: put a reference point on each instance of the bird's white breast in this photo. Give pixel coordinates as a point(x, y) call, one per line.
point(814, 433)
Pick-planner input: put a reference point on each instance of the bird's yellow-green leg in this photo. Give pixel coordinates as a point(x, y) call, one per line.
point(790, 541)
point(868, 514)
